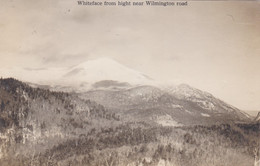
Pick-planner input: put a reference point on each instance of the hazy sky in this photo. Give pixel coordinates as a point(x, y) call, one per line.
point(213, 46)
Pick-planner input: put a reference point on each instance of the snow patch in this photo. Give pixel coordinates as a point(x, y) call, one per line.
point(245, 114)
point(163, 162)
point(207, 105)
point(205, 115)
point(188, 111)
point(166, 120)
point(176, 106)
point(148, 159)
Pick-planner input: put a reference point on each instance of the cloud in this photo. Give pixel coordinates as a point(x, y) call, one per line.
point(34, 69)
point(64, 60)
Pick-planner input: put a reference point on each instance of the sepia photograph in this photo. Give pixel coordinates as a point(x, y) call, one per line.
point(129, 83)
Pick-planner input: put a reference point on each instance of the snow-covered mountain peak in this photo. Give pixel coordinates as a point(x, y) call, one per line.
point(104, 69)
point(81, 76)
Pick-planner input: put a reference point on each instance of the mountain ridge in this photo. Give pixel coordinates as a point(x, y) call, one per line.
point(106, 81)
point(147, 98)
point(42, 127)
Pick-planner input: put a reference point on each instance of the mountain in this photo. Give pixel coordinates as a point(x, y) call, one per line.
point(81, 77)
point(182, 105)
point(104, 69)
point(39, 127)
point(126, 91)
point(257, 118)
point(206, 101)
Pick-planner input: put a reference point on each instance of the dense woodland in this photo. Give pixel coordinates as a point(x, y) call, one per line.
point(41, 127)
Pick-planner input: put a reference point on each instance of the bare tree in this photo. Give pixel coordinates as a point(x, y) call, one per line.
point(256, 155)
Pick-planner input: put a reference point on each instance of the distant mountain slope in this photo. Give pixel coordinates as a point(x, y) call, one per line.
point(184, 105)
point(206, 101)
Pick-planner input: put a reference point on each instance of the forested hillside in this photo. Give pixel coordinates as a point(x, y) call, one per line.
point(41, 127)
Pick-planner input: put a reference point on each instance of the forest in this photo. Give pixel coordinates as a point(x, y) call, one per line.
point(45, 128)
